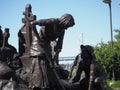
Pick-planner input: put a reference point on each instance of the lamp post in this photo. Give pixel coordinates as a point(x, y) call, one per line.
point(109, 3)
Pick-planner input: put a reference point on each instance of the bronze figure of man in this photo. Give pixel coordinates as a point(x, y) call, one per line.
point(95, 75)
point(52, 29)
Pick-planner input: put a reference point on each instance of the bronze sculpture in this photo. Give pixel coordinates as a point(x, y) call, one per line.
point(1, 36)
point(8, 64)
point(36, 66)
point(5, 70)
point(51, 30)
point(24, 33)
point(40, 57)
point(95, 76)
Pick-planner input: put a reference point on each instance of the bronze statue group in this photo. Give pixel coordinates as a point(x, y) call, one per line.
point(36, 64)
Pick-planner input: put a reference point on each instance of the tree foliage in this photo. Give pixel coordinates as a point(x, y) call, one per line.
point(110, 57)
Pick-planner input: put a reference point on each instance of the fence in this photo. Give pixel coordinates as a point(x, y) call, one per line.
point(66, 62)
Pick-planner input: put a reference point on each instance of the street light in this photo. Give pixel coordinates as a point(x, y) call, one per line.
point(109, 3)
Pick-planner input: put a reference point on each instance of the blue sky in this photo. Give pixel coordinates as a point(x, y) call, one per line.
point(91, 18)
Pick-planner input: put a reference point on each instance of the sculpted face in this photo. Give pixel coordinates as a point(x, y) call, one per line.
point(66, 21)
point(84, 53)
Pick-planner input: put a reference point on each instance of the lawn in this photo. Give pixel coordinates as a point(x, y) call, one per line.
point(114, 84)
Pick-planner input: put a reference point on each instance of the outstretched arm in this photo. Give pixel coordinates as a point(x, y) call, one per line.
point(43, 22)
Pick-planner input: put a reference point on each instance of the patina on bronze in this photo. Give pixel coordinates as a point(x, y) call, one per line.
point(25, 37)
point(95, 76)
point(36, 66)
point(53, 29)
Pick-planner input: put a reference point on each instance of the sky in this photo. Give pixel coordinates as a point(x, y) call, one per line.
point(92, 21)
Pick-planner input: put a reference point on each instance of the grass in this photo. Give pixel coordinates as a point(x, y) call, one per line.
point(114, 84)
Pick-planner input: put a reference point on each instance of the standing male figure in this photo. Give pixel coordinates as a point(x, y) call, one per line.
point(53, 29)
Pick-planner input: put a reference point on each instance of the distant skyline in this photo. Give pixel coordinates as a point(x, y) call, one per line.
point(92, 24)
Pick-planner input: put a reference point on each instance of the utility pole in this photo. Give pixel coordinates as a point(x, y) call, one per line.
point(109, 4)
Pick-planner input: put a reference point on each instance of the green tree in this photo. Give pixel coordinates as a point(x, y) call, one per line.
point(117, 53)
point(103, 55)
point(109, 61)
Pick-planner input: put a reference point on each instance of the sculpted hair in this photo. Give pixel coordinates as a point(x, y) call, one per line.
point(67, 20)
